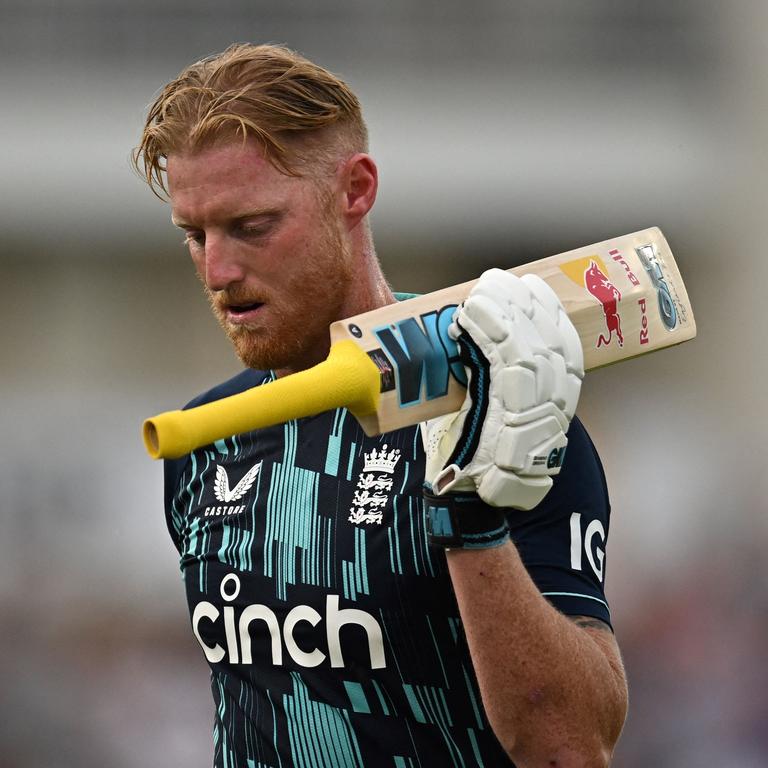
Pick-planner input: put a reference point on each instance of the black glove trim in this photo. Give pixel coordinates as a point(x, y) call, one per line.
point(464, 522)
point(479, 385)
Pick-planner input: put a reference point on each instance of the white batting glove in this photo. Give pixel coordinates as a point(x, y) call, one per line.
point(525, 365)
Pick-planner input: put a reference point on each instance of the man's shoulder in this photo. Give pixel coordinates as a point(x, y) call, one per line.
point(238, 383)
point(582, 478)
point(174, 468)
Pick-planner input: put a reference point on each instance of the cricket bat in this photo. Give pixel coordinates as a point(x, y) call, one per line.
point(396, 366)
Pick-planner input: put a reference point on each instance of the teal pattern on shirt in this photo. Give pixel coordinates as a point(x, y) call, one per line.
point(329, 625)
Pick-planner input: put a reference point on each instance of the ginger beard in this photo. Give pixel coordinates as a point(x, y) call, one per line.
point(294, 333)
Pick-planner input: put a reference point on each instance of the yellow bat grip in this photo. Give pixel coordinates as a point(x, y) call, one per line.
point(347, 378)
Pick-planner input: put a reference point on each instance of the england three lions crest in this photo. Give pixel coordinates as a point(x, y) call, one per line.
point(374, 485)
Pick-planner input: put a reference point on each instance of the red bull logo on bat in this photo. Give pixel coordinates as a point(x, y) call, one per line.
point(591, 272)
point(609, 296)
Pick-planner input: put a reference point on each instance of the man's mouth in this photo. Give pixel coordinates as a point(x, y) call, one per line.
point(242, 313)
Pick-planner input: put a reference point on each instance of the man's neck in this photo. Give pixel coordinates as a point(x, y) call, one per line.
point(368, 292)
point(370, 289)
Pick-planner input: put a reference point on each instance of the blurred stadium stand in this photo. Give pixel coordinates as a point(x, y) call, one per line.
point(504, 132)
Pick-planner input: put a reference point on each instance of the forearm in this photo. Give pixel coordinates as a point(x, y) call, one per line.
point(554, 693)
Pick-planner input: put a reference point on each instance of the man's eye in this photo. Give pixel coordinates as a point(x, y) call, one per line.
point(254, 232)
point(193, 239)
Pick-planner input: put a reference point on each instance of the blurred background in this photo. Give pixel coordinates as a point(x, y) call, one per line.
point(505, 132)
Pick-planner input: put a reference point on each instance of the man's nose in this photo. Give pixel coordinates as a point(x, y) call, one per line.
point(223, 265)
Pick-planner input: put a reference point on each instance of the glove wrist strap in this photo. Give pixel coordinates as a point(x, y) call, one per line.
point(464, 522)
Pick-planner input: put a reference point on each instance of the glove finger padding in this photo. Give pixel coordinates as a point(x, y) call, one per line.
point(525, 365)
point(562, 338)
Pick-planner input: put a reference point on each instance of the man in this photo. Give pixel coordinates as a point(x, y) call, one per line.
point(346, 622)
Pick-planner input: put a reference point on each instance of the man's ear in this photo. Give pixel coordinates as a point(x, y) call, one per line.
point(359, 183)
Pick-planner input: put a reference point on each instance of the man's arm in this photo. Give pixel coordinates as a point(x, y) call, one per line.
point(554, 691)
point(553, 687)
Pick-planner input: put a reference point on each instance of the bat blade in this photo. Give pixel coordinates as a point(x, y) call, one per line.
point(625, 296)
point(396, 366)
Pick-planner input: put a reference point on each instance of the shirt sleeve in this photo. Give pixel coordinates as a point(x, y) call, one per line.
point(562, 541)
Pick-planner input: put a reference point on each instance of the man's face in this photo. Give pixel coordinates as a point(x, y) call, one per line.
point(269, 249)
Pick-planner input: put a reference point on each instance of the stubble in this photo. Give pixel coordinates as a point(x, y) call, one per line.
point(296, 333)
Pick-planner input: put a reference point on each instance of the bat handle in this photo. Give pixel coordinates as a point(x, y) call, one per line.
point(348, 378)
